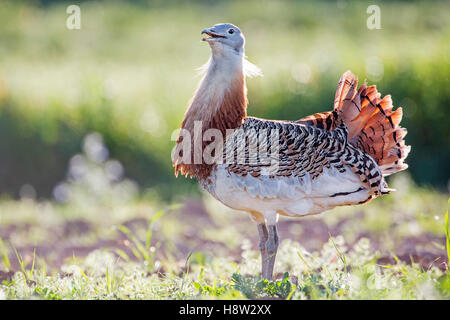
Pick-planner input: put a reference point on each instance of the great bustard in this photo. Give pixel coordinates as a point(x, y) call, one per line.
point(308, 166)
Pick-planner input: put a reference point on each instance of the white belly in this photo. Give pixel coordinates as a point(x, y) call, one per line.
point(286, 195)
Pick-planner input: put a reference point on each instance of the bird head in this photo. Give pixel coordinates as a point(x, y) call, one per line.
point(224, 37)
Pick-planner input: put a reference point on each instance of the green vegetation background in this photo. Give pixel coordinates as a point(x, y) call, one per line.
point(130, 71)
point(121, 84)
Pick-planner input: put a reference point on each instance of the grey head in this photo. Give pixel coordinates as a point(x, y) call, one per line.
point(225, 36)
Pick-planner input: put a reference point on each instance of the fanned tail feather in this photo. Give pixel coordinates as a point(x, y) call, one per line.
point(372, 125)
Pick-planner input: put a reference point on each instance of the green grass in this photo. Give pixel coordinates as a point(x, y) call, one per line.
point(101, 275)
point(202, 250)
point(103, 229)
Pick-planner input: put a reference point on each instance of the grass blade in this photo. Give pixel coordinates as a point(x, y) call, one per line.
point(447, 235)
point(340, 255)
point(4, 254)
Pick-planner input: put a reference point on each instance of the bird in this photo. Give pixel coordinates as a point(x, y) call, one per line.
point(297, 168)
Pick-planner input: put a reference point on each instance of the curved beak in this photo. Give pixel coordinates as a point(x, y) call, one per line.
point(206, 30)
point(211, 33)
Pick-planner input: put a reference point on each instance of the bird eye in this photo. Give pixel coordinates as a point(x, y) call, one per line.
point(230, 31)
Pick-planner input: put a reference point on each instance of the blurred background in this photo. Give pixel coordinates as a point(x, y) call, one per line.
point(86, 116)
point(129, 72)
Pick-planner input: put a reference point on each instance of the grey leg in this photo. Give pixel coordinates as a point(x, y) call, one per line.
point(271, 247)
point(263, 236)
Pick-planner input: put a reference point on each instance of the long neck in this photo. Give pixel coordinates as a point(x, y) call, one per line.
point(220, 102)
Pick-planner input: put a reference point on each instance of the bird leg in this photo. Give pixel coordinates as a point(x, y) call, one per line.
point(271, 247)
point(263, 236)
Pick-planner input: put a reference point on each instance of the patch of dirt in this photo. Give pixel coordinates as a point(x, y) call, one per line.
point(6, 276)
point(63, 240)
